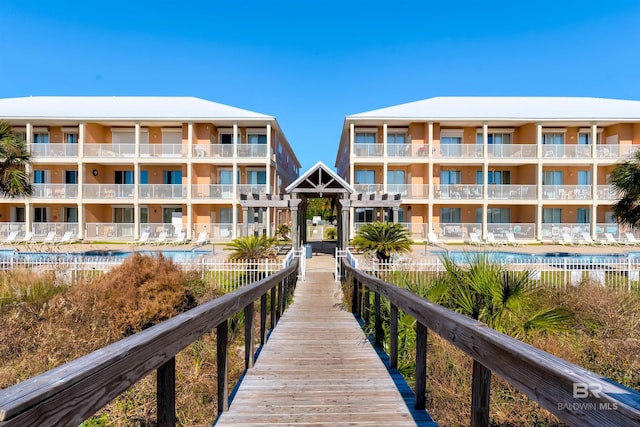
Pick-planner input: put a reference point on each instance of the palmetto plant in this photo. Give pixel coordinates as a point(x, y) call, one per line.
point(251, 248)
point(383, 239)
point(625, 178)
point(14, 159)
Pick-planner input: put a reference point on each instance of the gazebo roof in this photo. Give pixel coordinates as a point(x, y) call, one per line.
point(319, 181)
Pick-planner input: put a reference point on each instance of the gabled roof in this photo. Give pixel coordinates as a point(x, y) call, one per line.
point(319, 179)
point(516, 108)
point(121, 107)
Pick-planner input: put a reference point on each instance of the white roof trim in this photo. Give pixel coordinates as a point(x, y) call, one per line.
point(324, 168)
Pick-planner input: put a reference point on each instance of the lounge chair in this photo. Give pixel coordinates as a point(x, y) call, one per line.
point(511, 239)
point(11, 238)
point(50, 238)
point(28, 237)
point(66, 238)
point(609, 240)
point(587, 240)
point(202, 238)
point(144, 239)
point(475, 240)
point(180, 239)
point(631, 239)
point(162, 238)
point(432, 239)
point(566, 239)
point(491, 239)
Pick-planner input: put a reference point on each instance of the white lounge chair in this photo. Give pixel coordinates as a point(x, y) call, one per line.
point(66, 237)
point(631, 239)
point(144, 239)
point(202, 238)
point(587, 240)
point(566, 239)
point(475, 240)
point(511, 239)
point(180, 239)
point(433, 239)
point(50, 238)
point(609, 240)
point(28, 237)
point(11, 238)
point(162, 238)
point(491, 239)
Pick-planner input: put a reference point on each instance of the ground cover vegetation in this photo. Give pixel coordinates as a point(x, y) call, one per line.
point(47, 323)
point(590, 325)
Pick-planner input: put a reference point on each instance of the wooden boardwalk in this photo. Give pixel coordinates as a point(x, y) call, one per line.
point(317, 369)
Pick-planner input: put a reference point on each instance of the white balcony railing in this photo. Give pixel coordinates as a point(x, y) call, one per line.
point(457, 191)
point(458, 231)
point(615, 151)
point(566, 192)
point(252, 151)
point(109, 150)
point(212, 191)
point(407, 150)
point(369, 150)
point(216, 231)
point(512, 192)
point(369, 188)
point(109, 231)
point(163, 150)
point(54, 150)
point(213, 150)
point(567, 151)
point(252, 189)
point(108, 191)
point(42, 229)
point(55, 191)
point(162, 191)
point(457, 151)
point(512, 151)
point(555, 231)
point(409, 191)
point(607, 193)
point(520, 231)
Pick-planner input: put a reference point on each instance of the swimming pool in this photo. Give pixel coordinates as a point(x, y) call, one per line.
point(507, 257)
point(175, 255)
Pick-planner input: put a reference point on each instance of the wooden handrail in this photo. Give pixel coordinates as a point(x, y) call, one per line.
point(575, 395)
point(69, 394)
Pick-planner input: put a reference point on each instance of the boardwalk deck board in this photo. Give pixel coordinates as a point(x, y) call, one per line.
point(317, 369)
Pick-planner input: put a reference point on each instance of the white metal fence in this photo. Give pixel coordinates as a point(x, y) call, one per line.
point(621, 274)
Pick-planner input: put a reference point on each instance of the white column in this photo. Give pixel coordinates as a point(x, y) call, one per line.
point(430, 175)
point(268, 181)
point(539, 175)
point(234, 197)
point(352, 150)
point(594, 179)
point(189, 204)
point(385, 165)
point(485, 177)
point(136, 187)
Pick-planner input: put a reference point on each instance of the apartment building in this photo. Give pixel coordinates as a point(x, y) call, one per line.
point(534, 166)
point(116, 168)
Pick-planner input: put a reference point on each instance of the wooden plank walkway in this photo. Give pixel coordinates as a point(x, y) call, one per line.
point(317, 369)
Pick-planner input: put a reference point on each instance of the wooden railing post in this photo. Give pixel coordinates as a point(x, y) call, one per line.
point(421, 366)
point(248, 336)
point(377, 330)
point(263, 318)
point(480, 392)
point(273, 308)
point(222, 336)
point(393, 337)
point(280, 298)
point(355, 298)
point(365, 307)
point(166, 393)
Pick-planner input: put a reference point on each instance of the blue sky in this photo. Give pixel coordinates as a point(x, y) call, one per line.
point(310, 63)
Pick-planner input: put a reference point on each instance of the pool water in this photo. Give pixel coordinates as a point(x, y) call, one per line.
point(175, 255)
point(506, 257)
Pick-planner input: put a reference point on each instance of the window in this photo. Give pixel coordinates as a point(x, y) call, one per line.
point(495, 177)
point(41, 138)
point(128, 136)
point(583, 215)
point(584, 177)
point(227, 138)
point(450, 215)
point(450, 177)
point(256, 139)
point(225, 176)
point(18, 214)
point(395, 177)
point(40, 176)
point(365, 137)
point(226, 215)
point(123, 177)
point(172, 136)
point(144, 177)
point(169, 213)
point(396, 138)
point(495, 215)
point(40, 214)
point(553, 138)
point(70, 214)
point(256, 177)
point(551, 215)
point(172, 177)
point(144, 215)
point(70, 138)
point(364, 214)
point(584, 137)
point(494, 138)
point(71, 177)
point(552, 178)
point(123, 215)
point(365, 177)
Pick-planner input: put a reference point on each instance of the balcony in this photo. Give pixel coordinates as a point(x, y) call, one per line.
point(566, 192)
point(41, 229)
point(409, 191)
point(512, 151)
point(253, 151)
point(252, 189)
point(163, 150)
point(109, 231)
point(369, 189)
point(369, 150)
point(457, 191)
point(406, 150)
point(457, 151)
point(108, 191)
point(615, 151)
point(554, 232)
point(162, 191)
point(212, 191)
point(525, 231)
point(55, 191)
point(213, 150)
point(54, 150)
point(109, 150)
point(512, 192)
point(607, 193)
point(567, 151)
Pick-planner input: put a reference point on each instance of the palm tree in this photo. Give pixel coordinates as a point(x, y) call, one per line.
point(625, 178)
point(488, 292)
point(251, 248)
point(14, 159)
point(384, 239)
